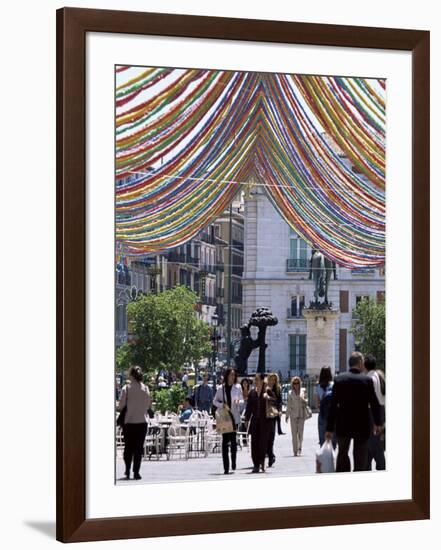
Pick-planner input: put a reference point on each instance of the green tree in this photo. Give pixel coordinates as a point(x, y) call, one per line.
point(369, 329)
point(166, 332)
point(168, 399)
point(123, 358)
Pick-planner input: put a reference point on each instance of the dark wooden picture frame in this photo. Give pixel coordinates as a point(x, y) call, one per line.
point(72, 26)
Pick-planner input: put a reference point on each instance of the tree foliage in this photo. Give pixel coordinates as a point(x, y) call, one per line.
point(168, 399)
point(369, 329)
point(123, 357)
point(166, 332)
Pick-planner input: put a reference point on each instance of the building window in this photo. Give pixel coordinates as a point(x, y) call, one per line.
point(344, 301)
point(237, 236)
point(297, 305)
point(358, 299)
point(297, 247)
point(297, 353)
point(196, 283)
point(298, 254)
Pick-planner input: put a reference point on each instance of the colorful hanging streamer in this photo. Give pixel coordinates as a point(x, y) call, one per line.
point(188, 140)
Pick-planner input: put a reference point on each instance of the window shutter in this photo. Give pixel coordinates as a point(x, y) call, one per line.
point(344, 301)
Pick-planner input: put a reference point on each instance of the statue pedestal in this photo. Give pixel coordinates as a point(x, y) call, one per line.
point(320, 339)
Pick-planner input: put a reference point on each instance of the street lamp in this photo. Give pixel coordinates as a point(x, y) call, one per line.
point(155, 271)
point(215, 337)
point(240, 210)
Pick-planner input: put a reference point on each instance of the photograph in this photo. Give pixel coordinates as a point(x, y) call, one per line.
point(250, 275)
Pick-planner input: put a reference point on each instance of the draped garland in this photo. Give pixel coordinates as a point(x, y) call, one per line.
point(188, 140)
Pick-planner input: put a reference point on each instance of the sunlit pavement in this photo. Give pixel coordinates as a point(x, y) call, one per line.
point(162, 470)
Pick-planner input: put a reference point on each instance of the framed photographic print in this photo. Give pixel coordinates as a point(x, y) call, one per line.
point(243, 263)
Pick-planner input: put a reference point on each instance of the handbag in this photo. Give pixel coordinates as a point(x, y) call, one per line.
point(120, 421)
point(271, 410)
point(308, 411)
point(224, 420)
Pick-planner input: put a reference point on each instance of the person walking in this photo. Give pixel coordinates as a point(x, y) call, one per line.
point(136, 397)
point(203, 396)
point(353, 402)
point(323, 395)
point(259, 424)
point(376, 444)
point(229, 396)
point(296, 413)
point(274, 391)
point(245, 384)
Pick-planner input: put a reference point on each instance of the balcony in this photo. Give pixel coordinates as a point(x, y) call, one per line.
point(363, 271)
point(219, 241)
point(182, 258)
point(208, 268)
point(146, 261)
point(237, 244)
point(208, 301)
point(297, 265)
point(193, 261)
point(207, 238)
point(177, 257)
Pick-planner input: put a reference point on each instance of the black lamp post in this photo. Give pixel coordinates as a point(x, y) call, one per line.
point(154, 271)
point(215, 337)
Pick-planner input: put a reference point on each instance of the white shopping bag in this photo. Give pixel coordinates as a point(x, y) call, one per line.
point(325, 459)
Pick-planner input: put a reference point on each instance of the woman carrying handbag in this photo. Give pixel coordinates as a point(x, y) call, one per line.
point(273, 411)
point(228, 399)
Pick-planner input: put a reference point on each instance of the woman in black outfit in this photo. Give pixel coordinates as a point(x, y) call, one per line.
point(274, 391)
point(260, 425)
point(229, 396)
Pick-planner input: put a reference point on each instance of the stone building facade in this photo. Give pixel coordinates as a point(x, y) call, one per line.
point(276, 274)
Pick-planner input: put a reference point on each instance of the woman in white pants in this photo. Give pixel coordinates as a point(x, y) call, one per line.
point(296, 412)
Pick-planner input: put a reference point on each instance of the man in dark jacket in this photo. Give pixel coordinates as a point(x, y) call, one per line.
point(353, 402)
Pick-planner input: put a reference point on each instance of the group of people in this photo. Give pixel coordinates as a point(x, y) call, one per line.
point(258, 407)
point(351, 408)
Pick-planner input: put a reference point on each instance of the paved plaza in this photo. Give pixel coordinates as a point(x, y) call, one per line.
point(162, 470)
